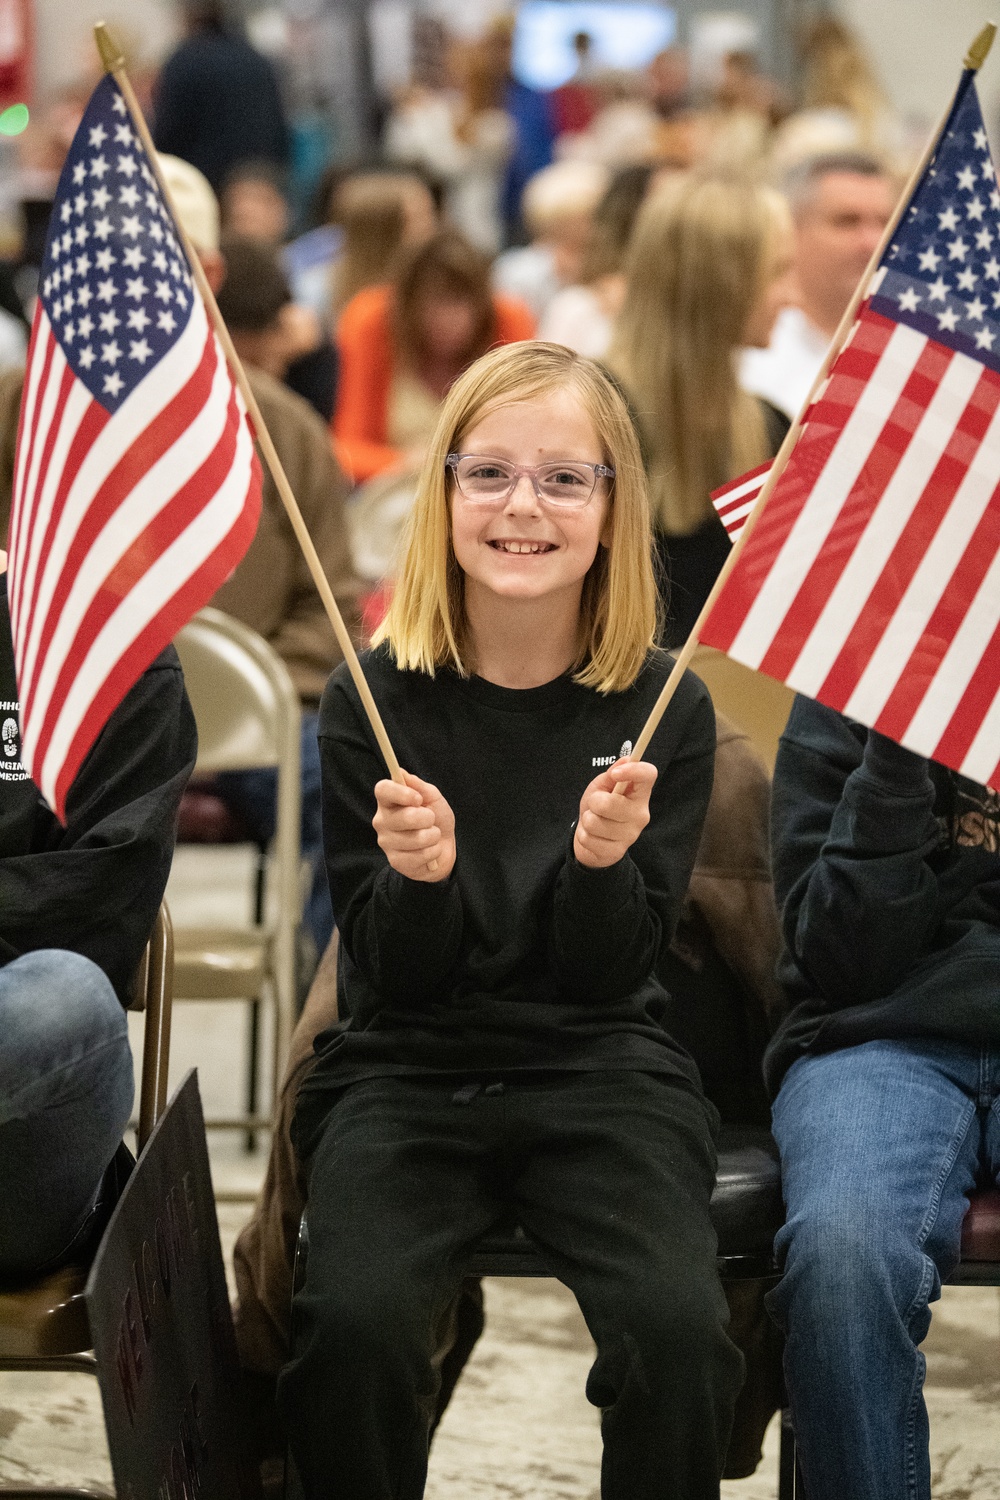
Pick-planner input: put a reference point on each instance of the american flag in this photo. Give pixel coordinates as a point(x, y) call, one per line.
point(136, 485)
point(871, 579)
point(734, 501)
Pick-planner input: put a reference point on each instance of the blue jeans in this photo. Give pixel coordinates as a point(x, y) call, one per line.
point(66, 1092)
point(253, 795)
point(881, 1145)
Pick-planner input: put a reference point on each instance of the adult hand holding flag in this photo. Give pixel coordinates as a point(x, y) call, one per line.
point(136, 485)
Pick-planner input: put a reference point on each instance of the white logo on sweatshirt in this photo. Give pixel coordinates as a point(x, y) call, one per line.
point(609, 760)
point(11, 768)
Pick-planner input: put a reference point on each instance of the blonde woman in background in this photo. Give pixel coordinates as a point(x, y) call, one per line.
point(709, 270)
point(844, 106)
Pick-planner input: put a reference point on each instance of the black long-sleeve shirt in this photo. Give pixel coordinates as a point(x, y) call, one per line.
point(523, 957)
point(94, 887)
point(887, 873)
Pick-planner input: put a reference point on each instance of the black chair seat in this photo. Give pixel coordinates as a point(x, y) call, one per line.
point(747, 1212)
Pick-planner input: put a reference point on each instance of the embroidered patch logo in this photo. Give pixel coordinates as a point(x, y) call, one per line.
point(11, 768)
point(625, 751)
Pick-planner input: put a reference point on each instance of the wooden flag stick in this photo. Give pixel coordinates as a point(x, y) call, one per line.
point(974, 60)
point(114, 63)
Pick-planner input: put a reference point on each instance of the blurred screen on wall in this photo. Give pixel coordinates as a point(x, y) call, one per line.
point(625, 36)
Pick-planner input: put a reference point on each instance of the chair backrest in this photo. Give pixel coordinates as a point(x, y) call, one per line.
point(152, 992)
point(248, 716)
point(757, 704)
point(244, 701)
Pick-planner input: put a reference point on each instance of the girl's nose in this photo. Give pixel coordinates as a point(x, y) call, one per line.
point(522, 497)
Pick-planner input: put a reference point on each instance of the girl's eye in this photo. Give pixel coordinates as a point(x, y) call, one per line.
point(488, 471)
point(564, 478)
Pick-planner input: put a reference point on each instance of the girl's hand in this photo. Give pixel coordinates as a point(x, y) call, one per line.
point(415, 828)
point(609, 822)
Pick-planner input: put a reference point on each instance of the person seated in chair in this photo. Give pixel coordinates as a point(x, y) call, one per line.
point(77, 905)
point(723, 1001)
point(499, 934)
point(886, 1072)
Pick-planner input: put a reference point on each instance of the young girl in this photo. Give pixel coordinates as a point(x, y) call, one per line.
point(501, 917)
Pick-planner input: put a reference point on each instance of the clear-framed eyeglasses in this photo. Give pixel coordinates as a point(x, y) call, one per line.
point(490, 481)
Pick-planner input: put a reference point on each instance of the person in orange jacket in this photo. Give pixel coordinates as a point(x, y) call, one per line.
point(402, 345)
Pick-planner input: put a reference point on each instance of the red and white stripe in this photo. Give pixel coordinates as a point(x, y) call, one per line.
point(122, 527)
point(871, 580)
point(734, 501)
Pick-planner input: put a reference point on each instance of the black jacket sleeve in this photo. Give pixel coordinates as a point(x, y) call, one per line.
point(852, 831)
point(403, 935)
point(95, 886)
point(610, 926)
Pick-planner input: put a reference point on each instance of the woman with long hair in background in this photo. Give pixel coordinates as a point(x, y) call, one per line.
point(709, 270)
point(403, 344)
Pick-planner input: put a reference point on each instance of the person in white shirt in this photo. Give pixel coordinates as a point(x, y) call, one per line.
point(841, 204)
point(558, 207)
point(582, 316)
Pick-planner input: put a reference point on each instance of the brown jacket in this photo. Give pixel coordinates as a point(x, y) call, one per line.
point(731, 884)
point(272, 589)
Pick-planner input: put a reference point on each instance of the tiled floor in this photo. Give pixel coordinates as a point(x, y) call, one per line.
point(519, 1427)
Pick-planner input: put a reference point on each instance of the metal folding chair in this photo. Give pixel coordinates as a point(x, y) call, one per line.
point(248, 717)
point(44, 1326)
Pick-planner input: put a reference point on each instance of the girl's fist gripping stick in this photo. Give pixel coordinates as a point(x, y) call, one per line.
point(415, 828)
point(614, 810)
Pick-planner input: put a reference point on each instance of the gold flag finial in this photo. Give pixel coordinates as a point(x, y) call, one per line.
point(111, 53)
point(979, 51)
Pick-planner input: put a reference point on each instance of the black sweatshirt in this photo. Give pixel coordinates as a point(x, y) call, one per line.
point(887, 871)
point(95, 886)
point(522, 958)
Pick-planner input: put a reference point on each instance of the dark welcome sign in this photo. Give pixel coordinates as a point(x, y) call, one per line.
point(162, 1329)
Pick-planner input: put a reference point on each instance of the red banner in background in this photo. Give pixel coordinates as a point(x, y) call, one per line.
point(17, 52)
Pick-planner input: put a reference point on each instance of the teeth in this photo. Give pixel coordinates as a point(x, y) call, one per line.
point(520, 546)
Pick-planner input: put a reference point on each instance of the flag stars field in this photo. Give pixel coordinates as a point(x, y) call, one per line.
point(132, 229)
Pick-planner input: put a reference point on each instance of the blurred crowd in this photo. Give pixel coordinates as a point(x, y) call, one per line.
point(703, 242)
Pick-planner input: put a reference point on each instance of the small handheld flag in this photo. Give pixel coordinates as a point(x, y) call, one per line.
point(136, 485)
point(867, 571)
point(871, 579)
point(734, 501)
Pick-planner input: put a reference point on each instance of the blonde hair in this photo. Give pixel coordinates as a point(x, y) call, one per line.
point(426, 626)
point(838, 75)
point(700, 258)
point(371, 209)
point(564, 190)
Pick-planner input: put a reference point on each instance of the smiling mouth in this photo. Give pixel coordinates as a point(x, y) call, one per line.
point(521, 549)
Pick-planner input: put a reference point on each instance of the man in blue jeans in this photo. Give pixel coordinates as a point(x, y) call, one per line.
point(77, 905)
point(886, 1072)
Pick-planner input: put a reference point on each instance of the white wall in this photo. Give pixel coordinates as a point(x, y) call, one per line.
point(64, 42)
point(918, 47)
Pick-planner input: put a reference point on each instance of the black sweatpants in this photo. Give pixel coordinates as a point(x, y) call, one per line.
point(611, 1174)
